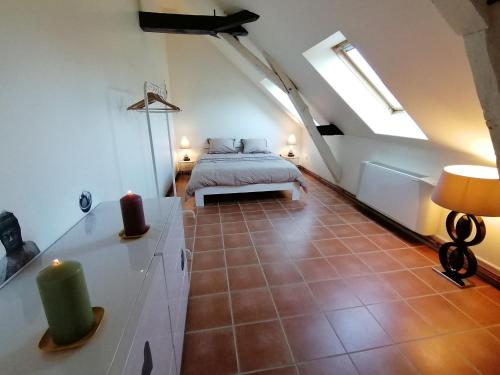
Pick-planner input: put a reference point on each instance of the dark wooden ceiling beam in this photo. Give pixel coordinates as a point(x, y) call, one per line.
point(236, 19)
point(330, 129)
point(195, 24)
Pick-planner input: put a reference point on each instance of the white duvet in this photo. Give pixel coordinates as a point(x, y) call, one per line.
point(242, 169)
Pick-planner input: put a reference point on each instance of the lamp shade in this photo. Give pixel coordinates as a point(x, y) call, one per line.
point(185, 143)
point(469, 189)
point(291, 140)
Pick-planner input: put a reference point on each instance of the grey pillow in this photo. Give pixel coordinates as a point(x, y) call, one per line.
point(254, 145)
point(221, 146)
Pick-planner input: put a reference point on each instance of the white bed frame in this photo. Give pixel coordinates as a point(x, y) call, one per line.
point(199, 194)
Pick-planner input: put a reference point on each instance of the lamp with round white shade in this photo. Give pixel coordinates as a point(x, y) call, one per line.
point(469, 191)
point(291, 141)
point(185, 145)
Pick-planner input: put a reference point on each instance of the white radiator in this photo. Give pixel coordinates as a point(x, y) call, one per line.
point(403, 196)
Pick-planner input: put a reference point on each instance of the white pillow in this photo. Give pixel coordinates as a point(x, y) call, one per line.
point(221, 146)
point(254, 145)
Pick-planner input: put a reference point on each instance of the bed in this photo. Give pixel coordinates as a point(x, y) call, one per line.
point(243, 173)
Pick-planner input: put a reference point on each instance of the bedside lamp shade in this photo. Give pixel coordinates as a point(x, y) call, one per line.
point(185, 143)
point(291, 141)
point(470, 189)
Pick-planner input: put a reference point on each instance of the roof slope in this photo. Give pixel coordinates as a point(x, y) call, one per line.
point(407, 42)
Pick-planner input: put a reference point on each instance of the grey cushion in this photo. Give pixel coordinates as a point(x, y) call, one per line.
point(254, 145)
point(221, 146)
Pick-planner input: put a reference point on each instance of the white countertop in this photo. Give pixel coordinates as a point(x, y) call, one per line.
point(114, 270)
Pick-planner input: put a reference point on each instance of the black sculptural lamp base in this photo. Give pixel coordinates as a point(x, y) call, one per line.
point(457, 259)
point(186, 158)
point(458, 281)
point(291, 154)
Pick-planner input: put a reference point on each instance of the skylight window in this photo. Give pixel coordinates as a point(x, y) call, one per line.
point(283, 98)
point(352, 77)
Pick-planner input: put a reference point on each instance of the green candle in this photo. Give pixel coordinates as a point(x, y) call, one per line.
point(66, 301)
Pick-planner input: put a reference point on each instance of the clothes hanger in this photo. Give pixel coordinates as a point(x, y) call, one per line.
point(153, 98)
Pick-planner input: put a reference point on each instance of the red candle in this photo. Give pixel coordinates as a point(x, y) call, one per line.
point(133, 214)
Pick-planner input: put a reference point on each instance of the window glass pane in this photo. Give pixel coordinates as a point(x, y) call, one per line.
point(372, 77)
point(283, 98)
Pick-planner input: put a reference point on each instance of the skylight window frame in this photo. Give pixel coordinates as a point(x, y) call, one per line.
point(356, 94)
point(341, 50)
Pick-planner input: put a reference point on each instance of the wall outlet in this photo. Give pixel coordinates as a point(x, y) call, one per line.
point(85, 201)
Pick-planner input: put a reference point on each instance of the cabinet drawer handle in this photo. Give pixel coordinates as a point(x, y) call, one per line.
point(147, 365)
point(182, 260)
point(188, 256)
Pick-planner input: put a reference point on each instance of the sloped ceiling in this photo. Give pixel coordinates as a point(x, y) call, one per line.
point(407, 42)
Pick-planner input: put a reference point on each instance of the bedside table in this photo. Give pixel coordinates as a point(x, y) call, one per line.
point(185, 167)
point(294, 160)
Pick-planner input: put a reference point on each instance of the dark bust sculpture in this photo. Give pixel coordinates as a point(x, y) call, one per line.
point(17, 252)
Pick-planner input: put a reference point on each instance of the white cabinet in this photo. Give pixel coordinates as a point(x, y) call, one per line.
point(292, 159)
point(162, 306)
point(142, 284)
point(151, 351)
point(176, 266)
point(185, 167)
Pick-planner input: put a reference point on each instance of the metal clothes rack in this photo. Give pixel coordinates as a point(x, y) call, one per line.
point(153, 93)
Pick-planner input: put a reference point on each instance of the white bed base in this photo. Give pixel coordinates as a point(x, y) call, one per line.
point(199, 194)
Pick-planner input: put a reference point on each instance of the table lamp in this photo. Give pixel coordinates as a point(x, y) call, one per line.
point(469, 191)
point(185, 145)
point(292, 141)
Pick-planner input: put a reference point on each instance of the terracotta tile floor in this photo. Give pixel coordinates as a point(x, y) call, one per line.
point(316, 287)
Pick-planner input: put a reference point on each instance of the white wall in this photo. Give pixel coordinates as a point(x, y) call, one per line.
point(417, 156)
point(218, 100)
point(68, 71)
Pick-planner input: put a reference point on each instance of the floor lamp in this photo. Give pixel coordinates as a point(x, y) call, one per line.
point(469, 191)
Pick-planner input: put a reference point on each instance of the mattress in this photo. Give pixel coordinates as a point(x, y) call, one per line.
point(242, 169)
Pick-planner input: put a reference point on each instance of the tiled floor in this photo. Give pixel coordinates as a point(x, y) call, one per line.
point(316, 287)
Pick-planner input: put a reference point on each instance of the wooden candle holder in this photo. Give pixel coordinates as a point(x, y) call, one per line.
point(46, 343)
point(123, 236)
